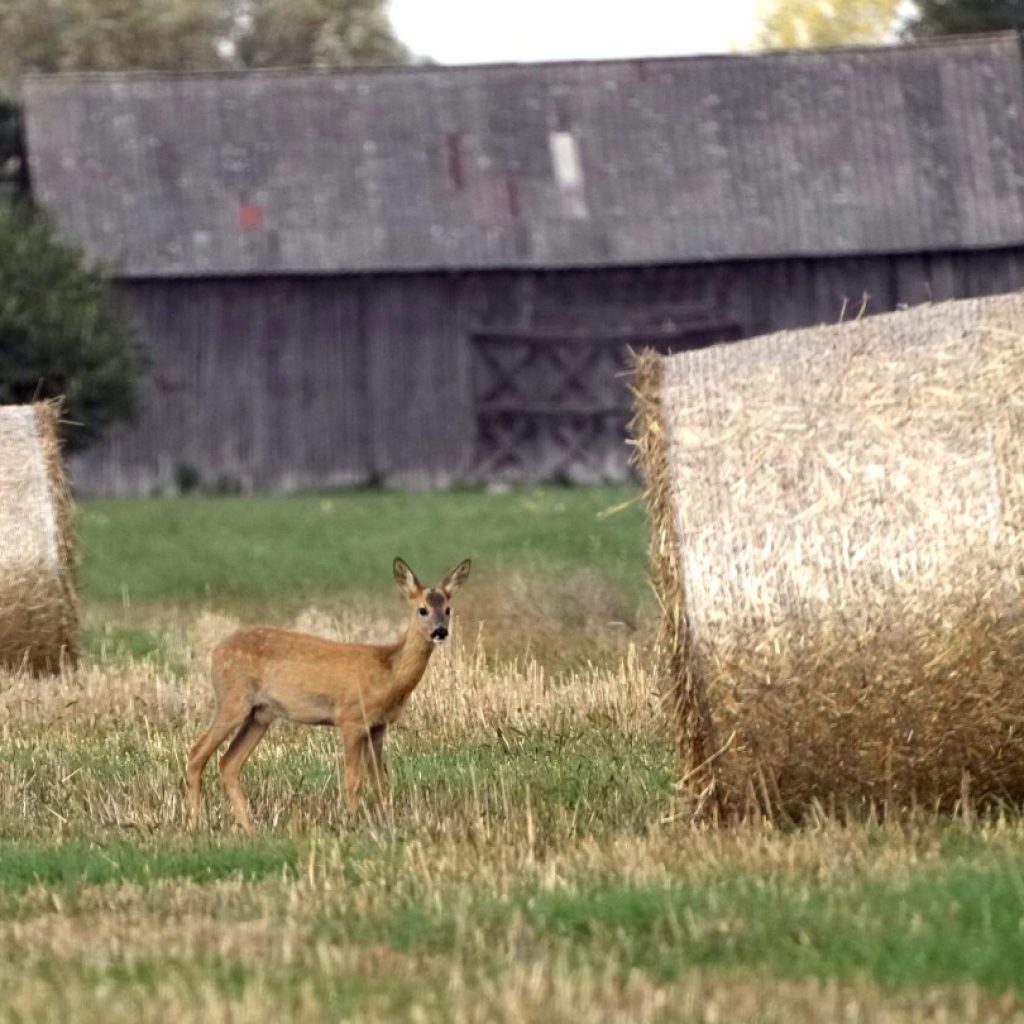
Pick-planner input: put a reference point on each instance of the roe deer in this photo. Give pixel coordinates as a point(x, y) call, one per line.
point(261, 673)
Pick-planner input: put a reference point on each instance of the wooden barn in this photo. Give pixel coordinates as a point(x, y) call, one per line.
point(429, 276)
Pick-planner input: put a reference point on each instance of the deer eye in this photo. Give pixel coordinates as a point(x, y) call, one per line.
point(423, 611)
point(447, 611)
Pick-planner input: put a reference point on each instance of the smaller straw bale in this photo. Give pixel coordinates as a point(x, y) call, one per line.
point(38, 599)
point(837, 520)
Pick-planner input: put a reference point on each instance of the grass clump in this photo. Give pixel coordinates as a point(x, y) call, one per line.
point(74, 864)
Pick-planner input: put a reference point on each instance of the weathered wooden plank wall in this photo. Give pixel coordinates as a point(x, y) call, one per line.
point(279, 384)
point(418, 379)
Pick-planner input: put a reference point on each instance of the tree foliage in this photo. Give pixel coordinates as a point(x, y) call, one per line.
point(963, 17)
point(108, 35)
point(191, 35)
point(13, 173)
point(317, 33)
point(61, 332)
point(795, 24)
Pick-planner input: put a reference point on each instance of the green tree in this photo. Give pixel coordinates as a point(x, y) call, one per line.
point(191, 35)
point(962, 17)
point(13, 173)
point(108, 35)
point(61, 332)
point(795, 24)
point(317, 33)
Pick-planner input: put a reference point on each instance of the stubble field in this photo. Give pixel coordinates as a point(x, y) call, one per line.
point(533, 862)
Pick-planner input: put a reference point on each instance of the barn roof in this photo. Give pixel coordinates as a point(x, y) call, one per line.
point(847, 151)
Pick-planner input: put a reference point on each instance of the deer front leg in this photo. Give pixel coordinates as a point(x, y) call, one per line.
point(375, 760)
point(356, 744)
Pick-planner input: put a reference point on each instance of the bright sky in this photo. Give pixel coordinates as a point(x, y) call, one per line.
point(480, 31)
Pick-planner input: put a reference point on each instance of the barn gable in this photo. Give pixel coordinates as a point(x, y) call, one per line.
point(611, 163)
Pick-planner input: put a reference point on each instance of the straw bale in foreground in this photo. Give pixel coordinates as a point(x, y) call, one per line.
point(38, 601)
point(837, 520)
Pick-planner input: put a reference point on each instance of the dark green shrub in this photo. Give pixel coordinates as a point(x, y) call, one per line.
point(61, 329)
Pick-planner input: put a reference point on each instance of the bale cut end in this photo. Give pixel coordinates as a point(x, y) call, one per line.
point(837, 521)
point(682, 688)
point(39, 615)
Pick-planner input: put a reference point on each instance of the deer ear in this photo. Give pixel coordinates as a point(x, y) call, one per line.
point(406, 578)
point(456, 577)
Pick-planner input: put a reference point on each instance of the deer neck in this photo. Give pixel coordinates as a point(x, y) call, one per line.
point(410, 660)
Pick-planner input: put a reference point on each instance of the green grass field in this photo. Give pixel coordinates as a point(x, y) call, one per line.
point(286, 550)
point(533, 863)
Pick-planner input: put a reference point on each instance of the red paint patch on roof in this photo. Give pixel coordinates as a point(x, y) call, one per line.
point(250, 217)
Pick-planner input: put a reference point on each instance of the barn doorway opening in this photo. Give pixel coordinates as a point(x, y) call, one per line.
point(551, 406)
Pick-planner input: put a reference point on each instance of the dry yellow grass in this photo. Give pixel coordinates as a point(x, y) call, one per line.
point(560, 992)
point(464, 692)
point(536, 862)
point(140, 705)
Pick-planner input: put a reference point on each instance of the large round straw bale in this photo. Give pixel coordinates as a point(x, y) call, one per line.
point(838, 546)
point(38, 601)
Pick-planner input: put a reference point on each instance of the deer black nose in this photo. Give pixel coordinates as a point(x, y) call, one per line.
point(439, 634)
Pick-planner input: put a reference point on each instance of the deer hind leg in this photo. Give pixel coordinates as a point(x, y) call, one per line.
point(246, 739)
point(225, 721)
point(356, 745)
point(375, 761)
